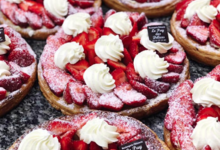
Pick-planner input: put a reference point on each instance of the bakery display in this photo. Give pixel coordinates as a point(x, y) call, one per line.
point(103, 131)
point(83, 68)
point(18, 69)
point(198, 31)
point(194, 128)
point(152, 8)
point(37, 19)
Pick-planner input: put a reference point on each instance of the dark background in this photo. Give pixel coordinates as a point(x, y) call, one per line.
point(34, 109)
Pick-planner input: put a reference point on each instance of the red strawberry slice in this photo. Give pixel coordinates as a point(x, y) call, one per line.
point(218, 17)
point(196, 21)
point(214, 34)
point(73, 2)
point(56, 79)
point(66, 143)
point(170, 77)
point(22, 57)
point(26, 3)
point(46, 21)
point(198, 33)
point(93, 34)
point(184, 22)
point(92, 98)
point(126, 40)
point(133, 49)
point(57, 20)
point(159, 87)
point(141, 20)
point(127, 57)
point(116, 65)
point(181, 8)
point(107, 31)
point(98, 60)
point(80, 65)
point(141, 1)
point(82, 119)
point(109, 13)
point(175, 68)
point(3, 93)
point(217, 109)
point(66, 94)
point(11, 83)
point(133, 16)
point(84, 3)
point(111, 102)
point(34, 20)
point(37, 9)
point(79, 145)
point(134, 30)
point(182, 4)
point(61, 34)
point(78, 75)
point(208, 112)
point(142, 88)
point(21, 18)
point(215, 73)
point(97, 18)
point(119, 76)
point(215, 3)
point(131, 74)
point(91, 56)
point(176, 58)
point(90, 45)
point(94, 146)
point(176, 47)
point(113, 146)
point(39, 1)
point(129, 96)
point(15, 69)
point(81, 38)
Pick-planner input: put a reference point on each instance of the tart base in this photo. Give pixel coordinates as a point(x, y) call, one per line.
point(204, 54)
point(154, 106)
point(150, 9)
point(39, 34)
point(166, 135)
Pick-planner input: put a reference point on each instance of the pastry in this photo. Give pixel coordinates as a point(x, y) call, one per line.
point(83, 68)
point(152, 8)
point(94, 131)
point(37, 19)
point(194, 127)
point(196, 32)
point(18, 69)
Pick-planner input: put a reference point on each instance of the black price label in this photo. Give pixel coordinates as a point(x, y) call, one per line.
point(2, 35)
point(136, 145)
point(158, 33)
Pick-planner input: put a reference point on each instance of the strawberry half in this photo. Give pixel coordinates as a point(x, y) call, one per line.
point(3, 93)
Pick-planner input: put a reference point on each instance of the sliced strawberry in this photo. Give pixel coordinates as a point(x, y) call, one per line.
point(184, 22)
point(109, 13)
point(176, 58)
point(207, 148)
point(26, 3)
point(159, 87)
point(131, 74)
point(3, 93)
point(107, 31)
point(21, 57)
point(133, 49)
point(97, 18)
point(93, 34)
point(201, 117)
point(111, 102)
point(116, 65)
point(81, 38)
point(129, 96)
point(46, 21)
point(21, 18)
point(136, 39)
point(66, 94)
point(11, 83)
point(196, 21)
point(176, 47)
point(126, 40)
point(40, 1)
point(142, 88)
point(57, 20)
point(134, 30)
point(198, 33)
point(170, 77)
point(214, 34)
point(90, 10)
point(56, 79)
point(80, 65)
point(182, 4)
point(141, 20)
point(91, 56)
point(73, 2)
point(133, 16)
point(127, 57)
point(61, 34)
point(209, 111)
point(215, 3)
point(98, 60)
point(141, 1)
point(92, 98)
point(113, 146)
point(37, 9)
point(218, 17)
point(84, 3)
point(119, 76)
point(80, 145)
point(33, 20)
point(175, 68)
point(181, 8)
point(66, 143)
point(15, 69)
point(94, 146)
point(215, 73)
point(90, 45)
point(77, 74)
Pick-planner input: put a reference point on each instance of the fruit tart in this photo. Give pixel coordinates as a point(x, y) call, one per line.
point(37, 19)
point(152, 8)
point(114, 67)
point(90, 131)
point(18, 67)
point(196, 26)
point(192, 120)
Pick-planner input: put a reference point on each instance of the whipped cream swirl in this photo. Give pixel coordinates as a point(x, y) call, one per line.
point(76, 24)
point(99, 131)
point(4, 69)
point(206, 92)
point(207, 132)
point(159, 46)
point(119, 23)
point(148, 63)
point(204, 10)
point(109, 47)
point(58, 8)
point(68, 53)
point(98, 78)
point(4, 46)
point(39, 139)
point(14, 1)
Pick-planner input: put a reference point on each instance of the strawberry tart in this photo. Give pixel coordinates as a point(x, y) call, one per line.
point(114, 67)
point(37, 19)
point(18, 68)
point(194, 128)
point(196, 26)
point(90, 131)
point(152, 8)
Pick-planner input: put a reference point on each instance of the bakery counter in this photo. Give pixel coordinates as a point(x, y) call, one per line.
point(34, 109)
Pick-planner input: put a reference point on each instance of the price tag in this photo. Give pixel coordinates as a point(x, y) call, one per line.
point(2, 35)
point(136, 145)
point(158, 33)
